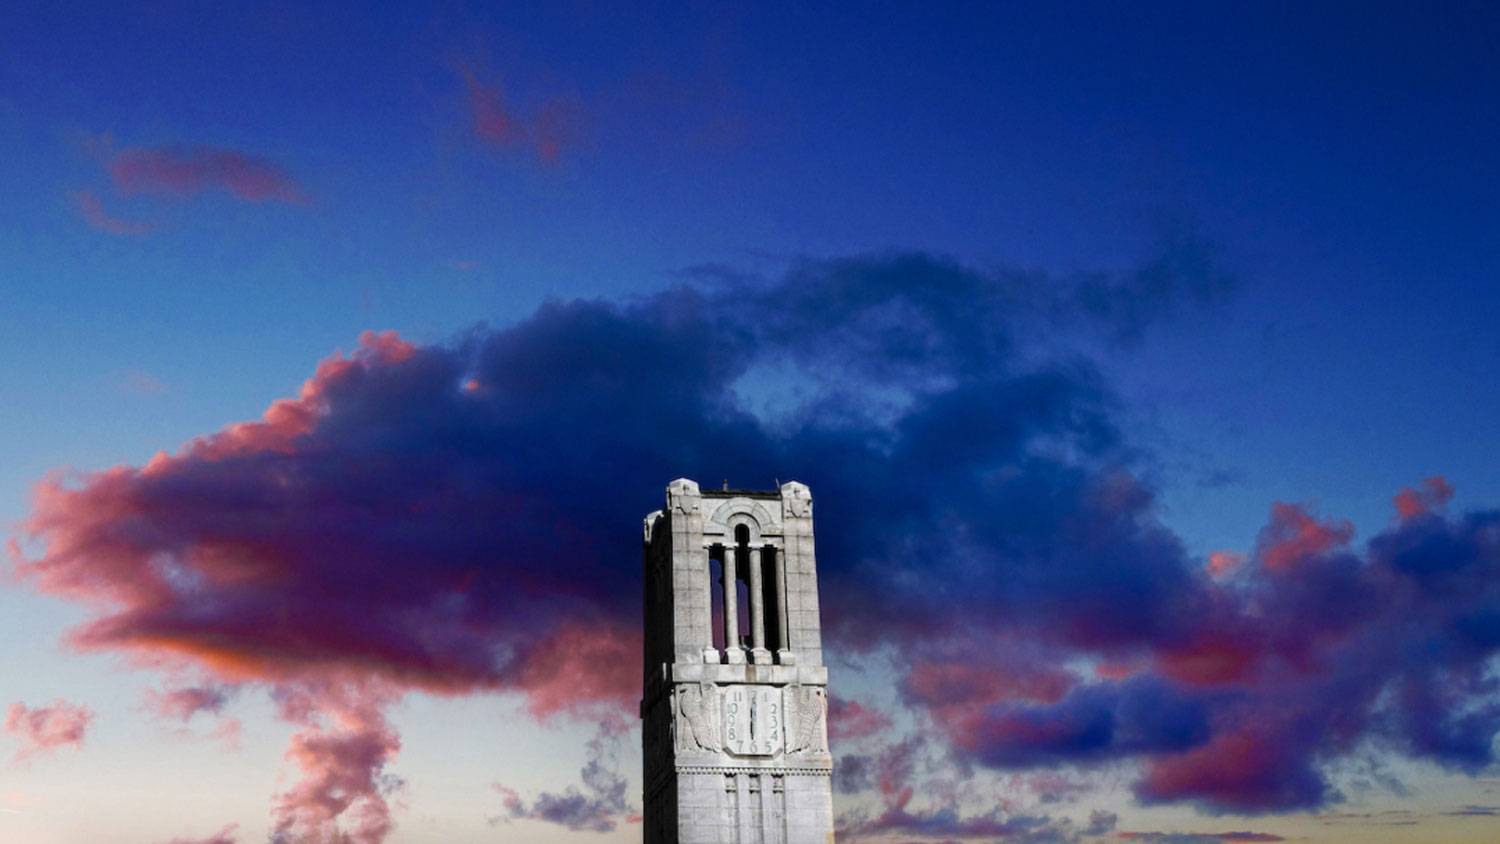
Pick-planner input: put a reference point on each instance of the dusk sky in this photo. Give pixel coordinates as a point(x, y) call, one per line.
point(1142, 360)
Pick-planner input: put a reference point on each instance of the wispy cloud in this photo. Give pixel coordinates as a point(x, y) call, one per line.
point(223, 836)
point(144, 382)
point(91, 208)
point(546, 131)
point(189, 170)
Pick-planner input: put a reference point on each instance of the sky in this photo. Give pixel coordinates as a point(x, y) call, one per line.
point(1141, 360)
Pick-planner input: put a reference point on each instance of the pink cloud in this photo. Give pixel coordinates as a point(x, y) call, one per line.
point(185, 171)
point(556, 128)
point(16, 798)
point(92, 210)
point(849, 719)
point(549, 131)
point(1211, 659)
point(1432, 497)
point(182, 704)
point(264, 598)
point(961, 694)
point(1221, 563)
point(341, 752)
point(1293, 535)
point(1245, 771)
point(46, 728)
point(493, 121)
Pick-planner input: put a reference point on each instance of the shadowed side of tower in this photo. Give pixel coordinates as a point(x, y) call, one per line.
point(735, 704)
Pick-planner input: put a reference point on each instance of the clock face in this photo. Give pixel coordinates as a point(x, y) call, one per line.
point(752, 720)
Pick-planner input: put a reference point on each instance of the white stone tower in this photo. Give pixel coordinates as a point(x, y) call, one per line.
point(734, 715)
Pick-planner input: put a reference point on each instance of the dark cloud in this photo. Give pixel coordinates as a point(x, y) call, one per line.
point(1197, 837)
point(1101, 822)
point(1140, 716)
point(854, 773)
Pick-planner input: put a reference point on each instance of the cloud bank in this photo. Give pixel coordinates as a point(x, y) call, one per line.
point(461, 517)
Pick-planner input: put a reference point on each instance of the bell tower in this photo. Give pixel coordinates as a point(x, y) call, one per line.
point(735, 704)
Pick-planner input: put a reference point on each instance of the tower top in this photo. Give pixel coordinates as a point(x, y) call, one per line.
point(763, 539)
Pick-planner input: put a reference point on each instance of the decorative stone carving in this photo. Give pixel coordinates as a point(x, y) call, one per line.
point(811, 705)
point(696, 728)
point(798, 504)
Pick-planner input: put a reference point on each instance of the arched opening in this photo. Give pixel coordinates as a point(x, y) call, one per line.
point(742, 591)
point(771, 590)
point(740, 555)
point(716, 603)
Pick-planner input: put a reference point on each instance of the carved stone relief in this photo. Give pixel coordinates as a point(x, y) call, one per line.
point(697, 723)
point(799, 503)
point(810, 705)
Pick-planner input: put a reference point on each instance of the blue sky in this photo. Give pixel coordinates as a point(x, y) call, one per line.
point(1335, 161)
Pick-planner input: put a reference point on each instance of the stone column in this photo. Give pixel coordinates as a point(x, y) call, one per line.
point(733, 654)
point(706, 595)
point(758, 653)
point(783, 654)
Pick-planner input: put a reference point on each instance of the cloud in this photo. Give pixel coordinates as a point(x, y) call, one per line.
point(1101, 822)
point(182, 704)
point(1142, 715)
point(597, 807)
point(223, 836)
point(1222, 563)
point(1197, 837)
point(91, 208)
point(1475, 811)
point(1294, 534)
point(550, 130)
point(46, 728)
point(1188, 271)
point(1432, 497)
point(850, 720)
point(341, 749)
point(894, 770)
point(142, 382)
point(493, 121)
point(460, 518)
point(189, 170)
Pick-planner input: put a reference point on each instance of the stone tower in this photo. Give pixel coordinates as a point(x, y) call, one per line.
point(734, 713)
